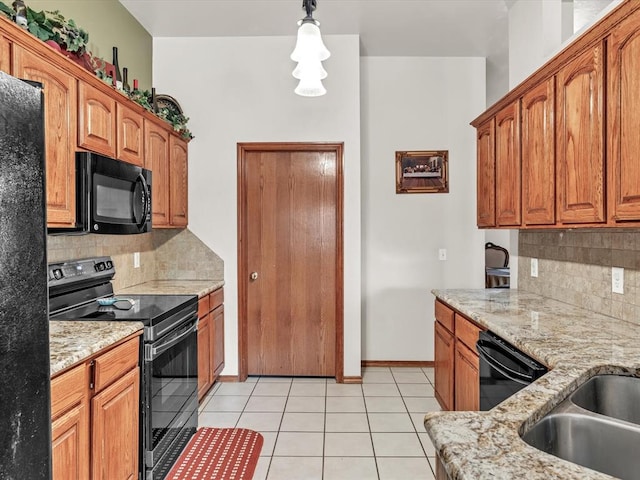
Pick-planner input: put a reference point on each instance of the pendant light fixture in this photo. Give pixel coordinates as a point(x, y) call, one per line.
point(310, 52)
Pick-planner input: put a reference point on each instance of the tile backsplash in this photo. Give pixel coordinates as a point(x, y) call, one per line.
point(574, 266)
point(164, 255)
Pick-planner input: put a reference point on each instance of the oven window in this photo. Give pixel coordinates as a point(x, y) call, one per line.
point(173, 386)
point(113, 198)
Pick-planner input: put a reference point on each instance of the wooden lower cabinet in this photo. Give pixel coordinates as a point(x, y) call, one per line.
point(467, 386)
point(210, 340)
point(115, 424)
point(95, 416)
point(444, 358)
point(457, 379)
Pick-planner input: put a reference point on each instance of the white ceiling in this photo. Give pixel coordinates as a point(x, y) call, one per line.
point(386, 27)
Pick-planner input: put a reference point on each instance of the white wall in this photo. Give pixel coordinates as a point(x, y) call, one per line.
point(411, 103)
point(241, 90)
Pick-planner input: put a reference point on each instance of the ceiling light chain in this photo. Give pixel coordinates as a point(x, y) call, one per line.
point(309, 52)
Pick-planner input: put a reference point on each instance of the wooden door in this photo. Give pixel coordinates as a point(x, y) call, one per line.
point(115, 424)
point(96, 120)
point(444, 358)
point(178, 173)
point(624, 120)
point(290, 231)
point(579, 139)
point(5, 55)
point(157, 152)
point(486, 181)
point(130, 136)
point(508, 211)
point(60, 111)
point(467, 379)
point(538, 155)
point(204, 355)
point(70, 444)
point(217, 342)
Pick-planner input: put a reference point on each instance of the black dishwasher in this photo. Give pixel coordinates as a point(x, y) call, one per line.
point(503, 370)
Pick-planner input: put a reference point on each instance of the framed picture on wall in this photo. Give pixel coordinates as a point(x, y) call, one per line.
point(424, 171)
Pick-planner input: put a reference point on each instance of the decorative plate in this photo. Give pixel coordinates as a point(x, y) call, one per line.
point(166, 101)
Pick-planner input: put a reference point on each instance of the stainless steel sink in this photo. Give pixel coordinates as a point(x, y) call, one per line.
point(598, 427)
point(611, 395)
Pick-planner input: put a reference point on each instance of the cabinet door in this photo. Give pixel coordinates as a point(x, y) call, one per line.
point(217, 341)
point(538, 155)
point(624, 119)
point(444, 357)
point(130, 136)
point(178, 172)
point(204, 355)
point(508, 212)
point(60, 111)
point(115, 429)
point(157, 160)
point(486, 192)
point(5, 55)
point(467, 379)
point(96, 120)
point(579, 139)
point(70, 444)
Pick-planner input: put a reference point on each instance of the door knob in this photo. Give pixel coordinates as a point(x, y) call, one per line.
point(253, 276)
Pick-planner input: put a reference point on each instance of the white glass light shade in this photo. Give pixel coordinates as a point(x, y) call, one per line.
point(310, 87)
point(309, 43)
point(309, 69)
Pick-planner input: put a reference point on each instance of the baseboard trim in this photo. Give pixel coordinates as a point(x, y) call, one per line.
point(398, 363)
point(357, 379)
point(228, 378)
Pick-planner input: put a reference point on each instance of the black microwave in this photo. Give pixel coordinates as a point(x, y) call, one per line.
point(112, 197)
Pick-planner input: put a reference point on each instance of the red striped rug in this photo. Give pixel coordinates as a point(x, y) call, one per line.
point(219, 454)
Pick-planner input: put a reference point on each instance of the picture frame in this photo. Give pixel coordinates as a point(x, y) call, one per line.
point(425, 171)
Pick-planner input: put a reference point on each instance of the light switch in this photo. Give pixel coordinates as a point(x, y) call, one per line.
point(442, 254)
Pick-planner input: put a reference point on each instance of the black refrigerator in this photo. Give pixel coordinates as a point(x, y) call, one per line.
point(25, 412)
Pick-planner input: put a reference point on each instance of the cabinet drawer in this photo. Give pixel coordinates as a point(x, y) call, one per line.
point(467, 332)
point(115, 363)
point(68, 389)
point(444, 315)
point(203, 306)
point(216, 299)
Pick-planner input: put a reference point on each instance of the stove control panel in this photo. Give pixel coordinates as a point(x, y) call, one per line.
point(87, 270)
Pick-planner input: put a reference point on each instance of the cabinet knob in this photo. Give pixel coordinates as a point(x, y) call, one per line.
point(253, 276)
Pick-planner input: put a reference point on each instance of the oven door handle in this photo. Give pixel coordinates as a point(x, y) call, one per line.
point(151, 353)
point(503, 369)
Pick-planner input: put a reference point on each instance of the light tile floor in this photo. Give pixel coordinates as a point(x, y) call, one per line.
point(314, 428)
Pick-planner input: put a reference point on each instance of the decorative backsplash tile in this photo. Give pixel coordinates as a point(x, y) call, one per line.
point(164, 255)
point(574, 266)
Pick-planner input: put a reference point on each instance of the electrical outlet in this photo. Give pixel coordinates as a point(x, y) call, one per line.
point(136, 260)
point(617, 280)
point(534, 267)
point(535, 318)
point(442, 254)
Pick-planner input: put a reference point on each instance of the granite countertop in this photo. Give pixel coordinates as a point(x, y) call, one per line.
point(71, 341)
point(573, 342)
point(174, 287)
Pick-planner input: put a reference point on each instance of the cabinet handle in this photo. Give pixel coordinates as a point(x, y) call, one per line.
point(253, 276)
point(92, 374)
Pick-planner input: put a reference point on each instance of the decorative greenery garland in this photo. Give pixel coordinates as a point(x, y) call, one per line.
point(51, 26)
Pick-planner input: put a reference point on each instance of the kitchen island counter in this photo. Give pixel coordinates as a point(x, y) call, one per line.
point(71, 342)
point(173, 287)
point(573, 342)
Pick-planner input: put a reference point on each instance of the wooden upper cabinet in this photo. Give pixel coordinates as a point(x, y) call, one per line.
point(538, 155)
point(624, 120)
point(486, 179)
point(130, 135)
point(96, 120)
point(507, 159)
point(60, 111)
point(178, 173)
point(157, 160)
point(579, 139)
point(5, 55)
